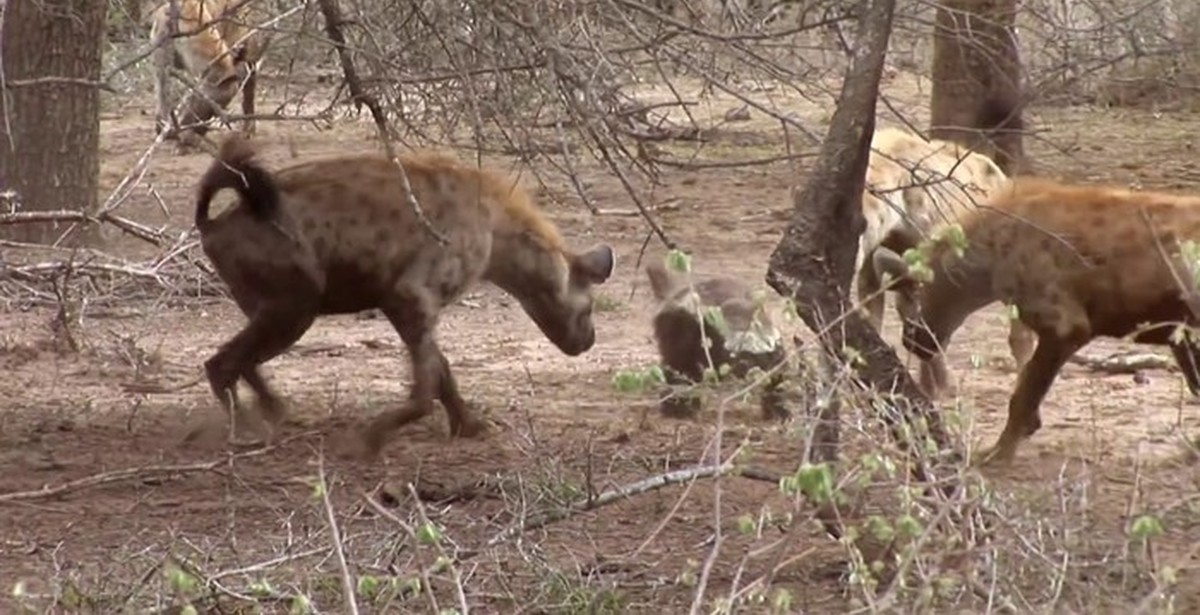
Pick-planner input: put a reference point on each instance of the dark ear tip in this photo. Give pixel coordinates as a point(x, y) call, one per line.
point(599, 263)
point(611, 255)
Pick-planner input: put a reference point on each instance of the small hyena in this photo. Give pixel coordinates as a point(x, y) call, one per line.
point(350, 233)
point(1079, 262)
point(215, 44)
point(748, 337)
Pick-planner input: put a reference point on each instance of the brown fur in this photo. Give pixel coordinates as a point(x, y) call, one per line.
point(913, 187)
point(1079, 262)
point(677, 333)
point(340, 235)
point(215, 45)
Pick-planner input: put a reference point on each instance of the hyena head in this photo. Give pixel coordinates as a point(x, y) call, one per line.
point(739, 331)
point(556, 289)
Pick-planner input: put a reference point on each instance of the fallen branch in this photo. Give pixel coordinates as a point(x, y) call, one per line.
point(136, 229)
point(150, 387)
point(335, 535)
point(1125, 363)
point(642, 486)
point(128, 474)
point(97, 275)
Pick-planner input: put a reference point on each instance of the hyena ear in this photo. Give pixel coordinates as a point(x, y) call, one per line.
point(887, 261)
point(595, 265)
point(662, 281)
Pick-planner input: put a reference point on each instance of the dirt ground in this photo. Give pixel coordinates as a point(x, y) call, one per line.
point(1110, 448)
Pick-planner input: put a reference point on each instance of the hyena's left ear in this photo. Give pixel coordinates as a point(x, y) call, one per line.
point(595, 265)
point(663, 282)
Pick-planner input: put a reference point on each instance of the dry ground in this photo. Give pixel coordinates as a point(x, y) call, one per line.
point(1109, 448)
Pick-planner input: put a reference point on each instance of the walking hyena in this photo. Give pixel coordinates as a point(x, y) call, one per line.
point(1079, 262)
point(342, 235)
point(214, 43)
point(745, 338)
point(913, 187)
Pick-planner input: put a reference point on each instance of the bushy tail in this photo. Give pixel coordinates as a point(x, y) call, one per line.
point(236, 168)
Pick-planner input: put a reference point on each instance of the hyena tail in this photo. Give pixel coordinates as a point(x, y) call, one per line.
point(236, 168)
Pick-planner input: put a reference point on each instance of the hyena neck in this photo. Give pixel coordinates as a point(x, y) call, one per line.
point(961, 286)
point(523, 263)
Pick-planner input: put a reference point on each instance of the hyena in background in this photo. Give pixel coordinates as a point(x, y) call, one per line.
point(913, 188)
point(748, 337)
point(1079, 262)
point(215, 44)
point(344, 234)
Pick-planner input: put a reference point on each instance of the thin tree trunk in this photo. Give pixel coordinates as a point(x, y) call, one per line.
point(50, 111)
point(814, 261)
point(977, 80)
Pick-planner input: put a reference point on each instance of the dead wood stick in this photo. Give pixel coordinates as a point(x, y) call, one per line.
point(608, 497)
point(642, 486)
point(149, 387)
point(140, 231)
point(1128, 363)
point(335, 535)
point(126, 474)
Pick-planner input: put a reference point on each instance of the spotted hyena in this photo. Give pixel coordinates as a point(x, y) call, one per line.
point(214, 43)
point(913, 188)
point(723, 315)
point(1079, 262)
point(345, 234)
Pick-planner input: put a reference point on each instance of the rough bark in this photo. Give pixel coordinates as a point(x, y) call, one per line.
point(977, 95)
point(50, 130)
point(814, 261)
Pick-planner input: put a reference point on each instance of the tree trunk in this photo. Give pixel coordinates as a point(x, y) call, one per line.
point(50, 136)
point(977, 80)
point(814, 261)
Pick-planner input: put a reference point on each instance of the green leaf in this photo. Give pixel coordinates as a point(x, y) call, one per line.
point(782, 601)
point(908, 525)
point(746, 525)
point(428, 533)
point(1146, 527)
point(301, 605)
point(626, 381)
point(816, 481)
point(715, 317)
point(679, 261)
point(368, 586)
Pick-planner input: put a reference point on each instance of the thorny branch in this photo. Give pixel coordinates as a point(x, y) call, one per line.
point(333, 27)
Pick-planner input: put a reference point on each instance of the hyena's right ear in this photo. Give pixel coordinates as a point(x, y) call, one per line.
point(597, 264)
point(887, 261)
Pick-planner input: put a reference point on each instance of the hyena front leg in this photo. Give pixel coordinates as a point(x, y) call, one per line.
point(164, 59)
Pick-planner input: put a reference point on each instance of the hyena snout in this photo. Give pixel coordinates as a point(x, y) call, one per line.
point(580, 337)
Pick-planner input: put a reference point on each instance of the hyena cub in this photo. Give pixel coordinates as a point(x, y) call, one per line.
point(739, 331)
